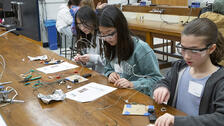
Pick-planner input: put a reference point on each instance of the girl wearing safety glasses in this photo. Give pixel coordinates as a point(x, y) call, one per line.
point(195, 85)
point(130, 62)
point(87, 44)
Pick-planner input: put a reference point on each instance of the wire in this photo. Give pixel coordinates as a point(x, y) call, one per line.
point(189, 15)
point(87, 44)
point(9, 89)
point(127, 100)
point(3, 66)
point(90, 112)
point(109, 106)
point(12, 89)
point(7, 32)
point(131, 69)
point(133, 74)
point(165, 20)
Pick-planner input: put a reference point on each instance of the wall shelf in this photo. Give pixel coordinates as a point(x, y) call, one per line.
point(169, 10)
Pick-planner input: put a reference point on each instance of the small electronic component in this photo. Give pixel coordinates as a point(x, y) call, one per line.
point(53, 61)
point(76, 81)
point(152, 115)
point(87, 75)
point(76, 78)
point(163, 109)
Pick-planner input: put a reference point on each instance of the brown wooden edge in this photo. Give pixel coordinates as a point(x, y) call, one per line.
point(31, 40)
point(169, 10)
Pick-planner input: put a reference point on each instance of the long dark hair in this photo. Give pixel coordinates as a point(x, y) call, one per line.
point(208, 29)
point(87, 16)
point(74, 2)
point(109, 17)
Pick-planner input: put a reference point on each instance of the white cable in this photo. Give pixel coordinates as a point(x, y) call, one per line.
point(3, 66)
point(109, 106)
point(86, 42)
point(7, 32)
point(126, 101)
point(16, 93)
point(167, 21)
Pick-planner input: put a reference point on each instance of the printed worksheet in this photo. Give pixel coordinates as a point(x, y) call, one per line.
point(89, 92)
point(57, 67)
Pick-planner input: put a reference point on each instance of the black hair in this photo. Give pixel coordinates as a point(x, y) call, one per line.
point(110, 17)
point(208, 29)
point(74, 2)
point(87, 16)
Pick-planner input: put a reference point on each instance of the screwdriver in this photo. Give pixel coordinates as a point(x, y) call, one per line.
point(28, 78)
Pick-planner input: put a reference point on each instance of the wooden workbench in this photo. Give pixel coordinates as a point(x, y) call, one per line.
point(65, 113)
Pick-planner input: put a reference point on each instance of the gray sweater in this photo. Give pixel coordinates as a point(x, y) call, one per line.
point(211, 109)
point(96, 61)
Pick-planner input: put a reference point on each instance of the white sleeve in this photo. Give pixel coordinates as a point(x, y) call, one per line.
point(64, 19)
point(96, 59)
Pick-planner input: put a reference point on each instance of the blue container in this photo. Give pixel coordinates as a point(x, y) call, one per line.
point(195, 4)
point(142, 3)
point(52, 34)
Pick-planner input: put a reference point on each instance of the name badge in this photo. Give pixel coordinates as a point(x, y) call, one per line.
point(195, 88)
point(117, 68)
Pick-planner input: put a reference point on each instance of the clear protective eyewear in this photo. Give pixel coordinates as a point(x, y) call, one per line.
point(80, 25)
point(109, 36)
point(182, 50)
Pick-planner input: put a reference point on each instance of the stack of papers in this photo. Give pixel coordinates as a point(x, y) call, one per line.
point(89, 92)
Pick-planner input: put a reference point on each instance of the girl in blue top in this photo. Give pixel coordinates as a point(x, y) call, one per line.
point(130, 62)
point(195, 85)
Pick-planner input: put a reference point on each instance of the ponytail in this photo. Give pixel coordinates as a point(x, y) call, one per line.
point(207, 28)
point(218, 55)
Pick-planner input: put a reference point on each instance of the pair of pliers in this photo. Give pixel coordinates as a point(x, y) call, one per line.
point(36, 85)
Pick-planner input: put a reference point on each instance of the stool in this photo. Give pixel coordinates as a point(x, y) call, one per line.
point(62, 39)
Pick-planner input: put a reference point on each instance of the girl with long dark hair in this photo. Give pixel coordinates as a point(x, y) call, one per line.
point(131, 63)
point(88, 44)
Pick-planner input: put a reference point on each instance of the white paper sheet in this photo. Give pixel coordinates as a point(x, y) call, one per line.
point(44, 57)
point(57, 67)
point(89, 92)
point(2, 122)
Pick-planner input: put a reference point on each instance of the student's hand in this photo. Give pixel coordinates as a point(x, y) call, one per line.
point(81, 58)
point(165, 120)
point(84, 58)
point(76, 58)
point(123, 83)
point(100, 6)
point(161, 95)
point(113, 77)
